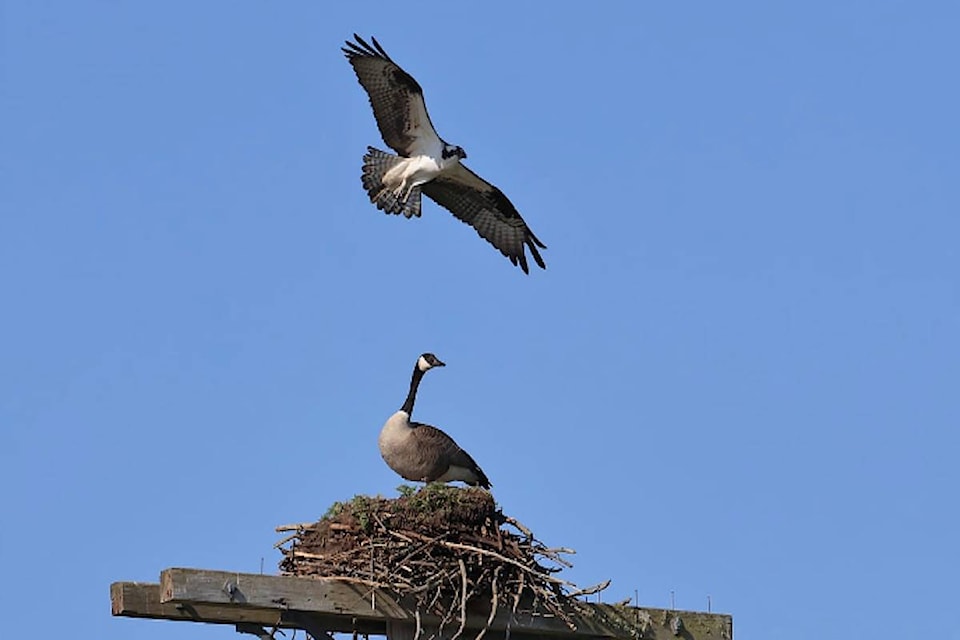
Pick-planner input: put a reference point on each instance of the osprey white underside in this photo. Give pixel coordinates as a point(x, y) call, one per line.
point(415, 171)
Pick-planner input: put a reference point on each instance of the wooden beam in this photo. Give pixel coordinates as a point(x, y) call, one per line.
point(142, 600)
point(316, 595)
point(336, 605)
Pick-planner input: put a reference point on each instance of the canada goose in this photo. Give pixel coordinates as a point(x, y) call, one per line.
point(421, 452)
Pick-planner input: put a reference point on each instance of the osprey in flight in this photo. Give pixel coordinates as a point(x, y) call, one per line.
point(426, 163)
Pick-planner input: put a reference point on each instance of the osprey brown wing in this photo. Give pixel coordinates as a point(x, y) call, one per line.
point(484, 207)
point(396, 98)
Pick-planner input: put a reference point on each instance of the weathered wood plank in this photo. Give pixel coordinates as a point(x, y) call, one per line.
point(142, 600)
point(297, 594)
point(340, 603)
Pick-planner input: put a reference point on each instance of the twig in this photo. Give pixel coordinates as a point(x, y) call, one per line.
point(373, 594)
point(494, 554)
point(566, 550)
point(417, 550)
point(445, 618)
point(589, 590)
point(286, 540)
point(254, 630)
point(516, 596)
point(363, 581)
point(436, 597)
point(522, 529)
point(556, 558)
point(399, 535)
point(494, 602)
point(463, 599)
point(430, 583)
point(379, 521)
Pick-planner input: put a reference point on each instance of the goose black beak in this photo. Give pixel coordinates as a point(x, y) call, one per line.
point(439, 364)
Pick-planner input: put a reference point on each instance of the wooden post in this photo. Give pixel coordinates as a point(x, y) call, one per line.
point(321, 605)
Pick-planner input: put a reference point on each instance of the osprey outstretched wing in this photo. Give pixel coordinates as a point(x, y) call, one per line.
point(396, 98)
point(426, 162)
point(484, 207)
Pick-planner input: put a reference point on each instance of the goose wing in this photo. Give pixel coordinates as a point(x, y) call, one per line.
point(484, 207)
point(433, 438)
point(396, 98)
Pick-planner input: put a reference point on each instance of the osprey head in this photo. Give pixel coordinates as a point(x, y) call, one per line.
point(450, 150)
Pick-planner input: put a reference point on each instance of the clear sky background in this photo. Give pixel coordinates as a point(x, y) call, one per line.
point(738, 376)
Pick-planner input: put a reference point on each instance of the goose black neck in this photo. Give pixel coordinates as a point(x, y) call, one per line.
point(412, 395)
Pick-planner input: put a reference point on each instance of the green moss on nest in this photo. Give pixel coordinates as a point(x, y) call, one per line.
point(357, 511)
point(434, 510)
point(406, 490)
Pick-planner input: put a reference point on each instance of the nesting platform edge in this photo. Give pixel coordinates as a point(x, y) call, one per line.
point(319, 605)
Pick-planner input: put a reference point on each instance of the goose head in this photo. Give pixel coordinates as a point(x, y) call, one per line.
point(428, 361)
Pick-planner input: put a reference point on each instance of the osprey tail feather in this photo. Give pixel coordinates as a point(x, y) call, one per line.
point(375, 164)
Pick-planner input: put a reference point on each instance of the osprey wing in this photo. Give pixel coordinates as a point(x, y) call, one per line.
point(484, 207)
point(396, 98)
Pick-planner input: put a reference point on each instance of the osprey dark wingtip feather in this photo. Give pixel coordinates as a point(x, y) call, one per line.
point(426, 163)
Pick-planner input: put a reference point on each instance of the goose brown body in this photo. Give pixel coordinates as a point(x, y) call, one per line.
point(421, 452)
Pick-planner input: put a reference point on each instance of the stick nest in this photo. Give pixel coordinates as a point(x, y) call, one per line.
point(442, 546)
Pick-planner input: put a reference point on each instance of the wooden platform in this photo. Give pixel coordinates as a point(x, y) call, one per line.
point(320, 605)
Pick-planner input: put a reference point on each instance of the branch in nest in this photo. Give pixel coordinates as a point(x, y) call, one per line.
point(494, 603)
point(522, 529)
point(286, 540)
point(463, 599)
point(494, 554)
point(590, 590)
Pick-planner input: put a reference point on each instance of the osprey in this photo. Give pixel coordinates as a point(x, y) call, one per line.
point(427, 164)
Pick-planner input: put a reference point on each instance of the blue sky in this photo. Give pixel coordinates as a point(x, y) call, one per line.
point(738, 376)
